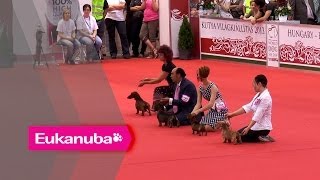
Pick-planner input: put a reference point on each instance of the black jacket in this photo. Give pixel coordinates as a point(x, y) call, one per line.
point(187, 97)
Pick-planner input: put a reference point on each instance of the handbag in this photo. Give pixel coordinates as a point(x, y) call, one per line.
point(236, 12)
point(136, 14)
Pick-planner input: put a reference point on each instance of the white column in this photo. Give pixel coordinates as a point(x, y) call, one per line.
point(164, 22)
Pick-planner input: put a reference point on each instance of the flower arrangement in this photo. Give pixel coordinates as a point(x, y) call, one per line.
point(283, 9)
point(207, 4)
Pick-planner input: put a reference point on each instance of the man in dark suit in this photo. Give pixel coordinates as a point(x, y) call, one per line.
point(185, 96)
point(303, 11)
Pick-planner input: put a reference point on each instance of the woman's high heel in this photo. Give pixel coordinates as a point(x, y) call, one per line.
point(155, 53)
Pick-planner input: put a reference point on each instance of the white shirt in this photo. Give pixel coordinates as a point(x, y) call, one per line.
point(116, 15)
point(171, 99)
point(87, 24)
point(261, 107)
point(66, 27)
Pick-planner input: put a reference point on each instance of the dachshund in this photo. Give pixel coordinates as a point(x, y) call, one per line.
point(228, 134)
point(196, 126)
point(168, 118)
point(141, 105)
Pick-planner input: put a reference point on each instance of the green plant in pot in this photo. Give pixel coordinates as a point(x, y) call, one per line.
point(186, 41)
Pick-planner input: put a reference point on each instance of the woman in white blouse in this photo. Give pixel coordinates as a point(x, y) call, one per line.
point(261, 106)
point(87, 33)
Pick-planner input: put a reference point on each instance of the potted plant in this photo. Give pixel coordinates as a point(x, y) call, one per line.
point(283, 10)
point(185, 41)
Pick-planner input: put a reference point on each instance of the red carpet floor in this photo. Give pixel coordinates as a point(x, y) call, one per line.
point(165, 154)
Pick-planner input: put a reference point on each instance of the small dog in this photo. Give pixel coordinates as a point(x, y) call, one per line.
point(228, 134)
point(173, 121)
point(169, 119)
point(196, 126)
point(141, 105)
point(162, 115)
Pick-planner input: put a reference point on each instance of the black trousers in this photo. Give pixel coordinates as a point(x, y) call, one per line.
point(133, 30)
point(121, 28)
point(253, 136)
point(101, 28)
point(311, 21)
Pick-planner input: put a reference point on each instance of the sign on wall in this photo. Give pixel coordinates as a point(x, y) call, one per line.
point(233, 38)
point(299, 45)
point(54, 15)
point(273, 45)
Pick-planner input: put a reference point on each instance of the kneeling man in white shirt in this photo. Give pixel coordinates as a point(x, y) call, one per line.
point(261, 106)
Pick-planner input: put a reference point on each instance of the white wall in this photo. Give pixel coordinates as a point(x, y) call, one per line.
point(164, 22)
point(27, 19)
point(83, 2)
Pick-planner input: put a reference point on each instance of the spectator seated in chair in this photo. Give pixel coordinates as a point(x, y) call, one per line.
point(67, 36)
point(87, 33)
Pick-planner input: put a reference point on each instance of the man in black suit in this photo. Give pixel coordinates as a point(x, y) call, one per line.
point(185, 96)
point(303, 11)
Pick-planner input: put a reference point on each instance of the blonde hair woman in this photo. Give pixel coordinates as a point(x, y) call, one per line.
point(67, 36)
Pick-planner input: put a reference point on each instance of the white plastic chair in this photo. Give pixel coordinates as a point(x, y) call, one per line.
point(54, 44)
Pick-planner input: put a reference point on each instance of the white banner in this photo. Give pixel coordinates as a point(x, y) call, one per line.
point(233, 38)
point(273, 45)
point(299, 45)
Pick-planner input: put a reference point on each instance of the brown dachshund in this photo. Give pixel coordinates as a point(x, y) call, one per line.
point(173, 121)
point(168, 118)
point(196, 126)
point(141, 105)
point(228, 134)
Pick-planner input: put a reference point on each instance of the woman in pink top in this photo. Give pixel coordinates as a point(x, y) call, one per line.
point(150, 26)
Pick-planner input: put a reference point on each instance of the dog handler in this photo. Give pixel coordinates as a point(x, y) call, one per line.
point(166, 56)
point(216, 104)
point(261, 105)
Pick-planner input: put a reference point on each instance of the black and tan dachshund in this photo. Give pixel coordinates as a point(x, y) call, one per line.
point(196, 126)
point(141, 105)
